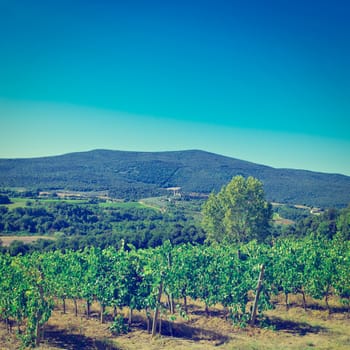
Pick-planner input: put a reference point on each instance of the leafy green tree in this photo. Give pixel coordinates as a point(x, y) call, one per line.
point(343, 223)
point(238, 213)
point(4, 199)
point(327, 223)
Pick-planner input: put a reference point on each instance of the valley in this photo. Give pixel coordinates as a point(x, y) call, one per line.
point(186, 257)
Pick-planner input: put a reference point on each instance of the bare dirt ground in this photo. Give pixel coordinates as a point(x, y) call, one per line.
point(287, 330)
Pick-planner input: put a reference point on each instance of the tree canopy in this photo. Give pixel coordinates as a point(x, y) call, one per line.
point(343, 223)
point(238, 213)
point(4, 199)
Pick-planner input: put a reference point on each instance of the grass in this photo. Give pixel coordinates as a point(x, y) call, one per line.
point(192, 208)
point(69, 201)
point(157, 203)
point(122, 205)
point(279, 220)
point(295, 329)
point(7, 240)
point(18, 202)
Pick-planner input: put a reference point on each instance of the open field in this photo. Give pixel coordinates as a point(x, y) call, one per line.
point(278, 220)
point(18, 202)
point(288, 330)
point(7, 240)
point(122, 205)
point(158, 203)
point(191, 208)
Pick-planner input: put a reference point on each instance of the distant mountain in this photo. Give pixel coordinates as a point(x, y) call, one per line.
point(134, 175)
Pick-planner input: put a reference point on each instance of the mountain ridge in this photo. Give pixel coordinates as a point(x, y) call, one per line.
point(133, 175)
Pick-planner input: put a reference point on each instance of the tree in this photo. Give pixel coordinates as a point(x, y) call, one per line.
point(343, 223)
point(238, 213)
point(4, 199)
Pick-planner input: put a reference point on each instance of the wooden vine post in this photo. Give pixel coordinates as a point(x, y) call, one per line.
point(170, 296)
point(257, 294)
point(156, 311)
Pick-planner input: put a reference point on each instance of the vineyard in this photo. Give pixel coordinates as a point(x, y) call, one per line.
point(158, 282)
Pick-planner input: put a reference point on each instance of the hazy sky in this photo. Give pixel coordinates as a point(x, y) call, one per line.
point(265, 81)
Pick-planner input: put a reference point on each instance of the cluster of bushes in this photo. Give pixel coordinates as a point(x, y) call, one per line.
point(328, 224)
point(77, 226)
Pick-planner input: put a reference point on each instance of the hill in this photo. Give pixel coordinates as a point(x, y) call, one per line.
point(133, 175)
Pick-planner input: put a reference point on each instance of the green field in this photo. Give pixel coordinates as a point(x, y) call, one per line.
point(122, 205)
point(159, 203)
point(18, 202)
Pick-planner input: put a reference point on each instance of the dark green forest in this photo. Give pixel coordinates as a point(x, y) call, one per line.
point(135, 175)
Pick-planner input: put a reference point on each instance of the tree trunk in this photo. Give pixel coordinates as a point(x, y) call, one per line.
point(156, 311)
point(148, 316)
point(75, 307)
point(171, 329)
point(37, 333)
point(160, 326)
point(304, 299)
point(9, 324)
point(88, 307)
point(130, 317)
point(171, 303)
point(226, 312)
point(286, 300)
point(154, 323)
point(257, 294)
point(64, 304)
point(39, 316)
point(206, 310)
point(185, 304)
point(327, 304)
point(170, 296)
point(102, 313)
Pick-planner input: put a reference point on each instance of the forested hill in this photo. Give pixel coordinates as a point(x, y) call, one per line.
point(134, 175)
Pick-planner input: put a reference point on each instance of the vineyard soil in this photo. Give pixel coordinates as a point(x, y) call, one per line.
point(287, 330)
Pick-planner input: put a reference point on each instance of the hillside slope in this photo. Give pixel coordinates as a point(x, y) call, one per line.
point(135, 175)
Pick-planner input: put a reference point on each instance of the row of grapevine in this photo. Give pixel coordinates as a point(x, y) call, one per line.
point(315, 267)
point(138, 279)
point(24, 296)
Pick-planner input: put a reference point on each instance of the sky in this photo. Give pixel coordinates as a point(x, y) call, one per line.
point(264, 81)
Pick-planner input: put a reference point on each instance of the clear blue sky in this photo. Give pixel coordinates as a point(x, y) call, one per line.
point(265, 81)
